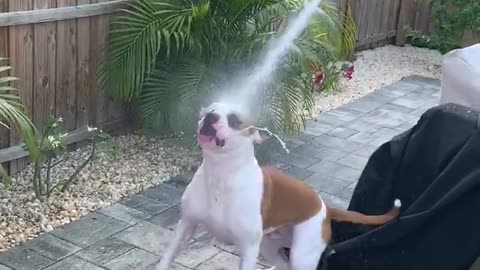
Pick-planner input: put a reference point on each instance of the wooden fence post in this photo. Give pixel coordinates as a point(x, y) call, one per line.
point(4, 53)
point(406, 19)
point(67, 41)
point(21, 59)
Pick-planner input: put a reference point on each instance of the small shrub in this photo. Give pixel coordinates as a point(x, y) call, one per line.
point(51, 145)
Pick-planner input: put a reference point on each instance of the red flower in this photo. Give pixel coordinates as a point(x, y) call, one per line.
point(319, 76)
point(348, 73)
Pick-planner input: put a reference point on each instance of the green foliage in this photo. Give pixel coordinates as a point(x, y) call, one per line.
point(50, 146)
point(450, 19)
point(169, 57)
point(12, 111)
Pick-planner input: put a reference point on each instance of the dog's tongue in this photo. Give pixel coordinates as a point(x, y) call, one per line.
point(202, 139)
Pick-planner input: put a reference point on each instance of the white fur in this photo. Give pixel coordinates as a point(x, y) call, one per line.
point(225, 195)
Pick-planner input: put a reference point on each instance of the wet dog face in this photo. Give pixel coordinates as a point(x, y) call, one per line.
point(223, 126)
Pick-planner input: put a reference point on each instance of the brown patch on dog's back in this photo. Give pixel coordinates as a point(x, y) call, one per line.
point(286, 200)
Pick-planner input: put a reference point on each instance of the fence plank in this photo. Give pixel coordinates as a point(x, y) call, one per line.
point(67, 69)
point(422, 20)
point(383, 14)
point(94, 54)
point(393, 16)
point(367, 8)
point(100, 30)
point(116, 110)
point(44, 68)
point(377, 22)
point(44, 72)
point(84, 81)
point(413, 12)
point(353, 4)
point(3, 32)
point(370, 20)
point(363, 21)
point(406, 19)
point(402, 21)
point(21, 58)
point(4, 53)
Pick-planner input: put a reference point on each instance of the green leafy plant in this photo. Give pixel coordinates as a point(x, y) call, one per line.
point(44, 154)
point(12, 111)
point(450, 20)
point(169, 57)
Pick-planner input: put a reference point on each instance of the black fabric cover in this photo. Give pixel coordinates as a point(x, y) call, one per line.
point(434, 169)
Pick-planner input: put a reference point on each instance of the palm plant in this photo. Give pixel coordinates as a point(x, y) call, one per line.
point(12, 111)
point(169, 57)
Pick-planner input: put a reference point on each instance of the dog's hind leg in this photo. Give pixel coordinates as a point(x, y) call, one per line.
point(184, 232)
point(308, 243)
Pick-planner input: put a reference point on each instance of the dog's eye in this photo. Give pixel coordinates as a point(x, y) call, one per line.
point(233, 121)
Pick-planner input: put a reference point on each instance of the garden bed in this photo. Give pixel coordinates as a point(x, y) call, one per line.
point(141, 163)
point(144, 162)
point(380, 67)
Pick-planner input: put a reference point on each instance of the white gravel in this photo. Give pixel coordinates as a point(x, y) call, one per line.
point(380, 67)
point(144, 162)
point(141, 163)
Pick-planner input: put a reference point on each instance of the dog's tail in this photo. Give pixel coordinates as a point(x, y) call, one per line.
point(359, 218)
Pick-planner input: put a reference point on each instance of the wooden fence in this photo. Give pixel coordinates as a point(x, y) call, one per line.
point(414, 14)
point(376, 21)
point(381, 22)
point(54, 46)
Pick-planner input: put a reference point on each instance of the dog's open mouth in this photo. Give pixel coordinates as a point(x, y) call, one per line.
point(204, 139)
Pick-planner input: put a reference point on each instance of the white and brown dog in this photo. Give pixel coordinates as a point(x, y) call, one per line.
point(260, 210)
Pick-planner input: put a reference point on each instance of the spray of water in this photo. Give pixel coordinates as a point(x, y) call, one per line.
point(279, 48)
point(249, 87)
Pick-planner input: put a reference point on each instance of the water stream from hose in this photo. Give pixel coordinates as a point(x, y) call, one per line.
point(249, 87)
point(261, 74)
